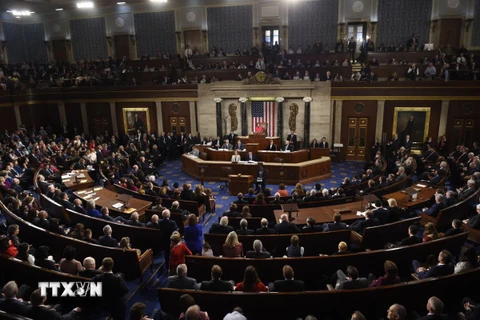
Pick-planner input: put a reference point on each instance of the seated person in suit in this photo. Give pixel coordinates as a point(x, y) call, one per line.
point(153, 223)
point(38, 310)
point(106, 239)
point(216, 284)
point(181, 281)
point(232, 212)
point(244, 228)
point(436, 207)
point(311, 227)
point(11, 304)
point(337, 223)
point(133, 221)
point(271, 146)
point(324, 143)
point(435, 310)
point(295, 250)
point(390, 277)
point(289, 284)
point(91, 211)
point(236, 157)
point(342, 248)
point(239, 146)
point(264, 228)
point(261, 179)
point(288, 146)
point(314, 144)
point(284, 226)
point(396, 312)
point(227, 145)
point(400, 174)
point(455, 229)
point(258, 251)
point(251, 157)
point(240, 199)
point(89, 268)
point(369, 221)
point(474, 222)
point(350, 280)
point(276, 199)
point(251, 282)
point(466, 191)
point(443, 268)
point(105, 215)
point(412, 237)
point(381, 213)
point(222, 227)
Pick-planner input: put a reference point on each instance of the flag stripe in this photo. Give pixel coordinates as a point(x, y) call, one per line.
point(263, 111)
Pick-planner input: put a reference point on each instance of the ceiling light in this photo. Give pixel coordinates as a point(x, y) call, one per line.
point(20, 12)
point(85, 4)
point(159, 1)
point(120, 3)
point(59, 9)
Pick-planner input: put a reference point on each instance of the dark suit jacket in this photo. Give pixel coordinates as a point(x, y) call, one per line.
point(114, 290)
point(135, 223)
point(216, 285)
point(465, 193)
point(286, 227)
point(435, 209)
point(323, 145)
point(350, 284)
point(14, 306)
point(42, 312)
point(332, 226)
point(106, 217)
point(80, 209)
point(219, 229)
point(152, 225)
point(272, 147)
point(108, 241)
point(437, 271)
point(177, 282)
point(410, 240)
point(452, 231)
point(288, 286)
point(436, 317)
point(289, 148)
point(167, 227)
point(408, 144)
point(89, 273)
point(245, 232)
point(264, 231)
point(382, 215)
point(254, 254)
point(360, 225)
point(474, 222)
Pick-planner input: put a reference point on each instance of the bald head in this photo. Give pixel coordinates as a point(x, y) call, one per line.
point(193, 313)
point(435, 305)
point(396, 312)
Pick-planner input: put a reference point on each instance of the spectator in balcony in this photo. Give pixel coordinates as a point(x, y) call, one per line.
point(297, 76)
point(317, 64)
point(318, 47)
point(430, 71)
point(245, 52)
point(299, 50)
point(339, 47)
point(338, 78)
point(412, 43)
point(287, 76)
point(203, 80)
point(370, 45)
point(373, 77)
point(306, 76)
point(328, 76)
point(393, 77)
point(317, 77)
point(260, 65)
point(374, 62)
point(381, 48)
point(391, 47)
point(393, 61)
point(413, 72)
point(242, 66)
point(145, 57)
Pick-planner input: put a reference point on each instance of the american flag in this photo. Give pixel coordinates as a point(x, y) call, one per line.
point(264, 112)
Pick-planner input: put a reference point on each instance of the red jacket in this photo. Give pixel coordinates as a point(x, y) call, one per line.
point(177, 255)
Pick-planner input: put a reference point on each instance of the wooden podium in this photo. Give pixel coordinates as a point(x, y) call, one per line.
point(240, 183)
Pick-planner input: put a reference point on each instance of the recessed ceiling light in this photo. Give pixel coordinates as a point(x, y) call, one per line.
point(121, 2)
point(85, 4)
point(17, 17)
point(159, 1)
point(20, 12)
point(59, 9)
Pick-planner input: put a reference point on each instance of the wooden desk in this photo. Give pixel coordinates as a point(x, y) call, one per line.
point(239, 183)
point(324, 214)
point(83, 182)
point(261, 139)
point(303, 172)
point(402, 198)
point(107, 198)
point(223, 155)
point(317, 153)
point(287, 157)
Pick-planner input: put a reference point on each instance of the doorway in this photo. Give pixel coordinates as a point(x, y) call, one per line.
point(122, 46)
point(100, 125)
point(450, 32)
point(194, 39)
point(176, 117)
point(357, 30)
point(357, 138)
point(271, 35)
point(463, 130)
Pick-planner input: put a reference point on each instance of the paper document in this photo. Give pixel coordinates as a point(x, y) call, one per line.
point(421, 185)
point(117, 205)
point(83, 181)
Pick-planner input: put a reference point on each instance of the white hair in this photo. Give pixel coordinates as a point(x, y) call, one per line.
point(107, 230)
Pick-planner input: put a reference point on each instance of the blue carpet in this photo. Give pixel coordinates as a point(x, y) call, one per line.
point(171, 171)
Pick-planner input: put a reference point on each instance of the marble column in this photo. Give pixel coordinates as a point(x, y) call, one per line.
point(306, 125)
point(158, 107)
point(218, 102)
point(442, 128)
point(380, 115)
point(280, 118)
point(338, 121)
point(18, 117)
point(83, 110)
point(113, 114)
point(61, 113)
point(243, 114)
point(193, 124)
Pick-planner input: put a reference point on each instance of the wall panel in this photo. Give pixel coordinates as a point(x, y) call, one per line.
point(309, 20)
point(155, 31)
point(7, 120)
point(397, 20)
point(35, 42)
point(15, 41)
point(89, 38)
point(99, 117)
point(74, 117)
point(40, 115)
point(463, 110)
point(230, 28)
point(476, 25)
